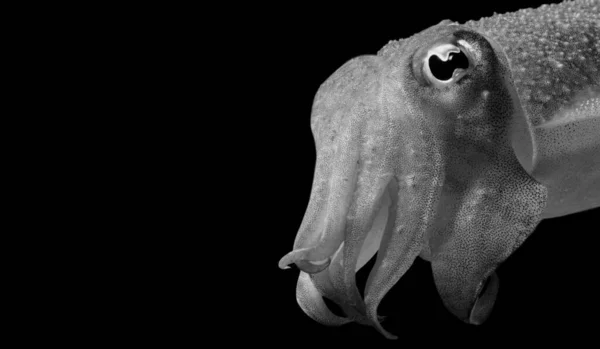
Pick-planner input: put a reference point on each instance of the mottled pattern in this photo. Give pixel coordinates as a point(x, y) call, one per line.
point(419, 168)
point(585, 107)
point(554, 53)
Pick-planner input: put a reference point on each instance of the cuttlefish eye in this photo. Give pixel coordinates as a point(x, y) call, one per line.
point(444, 64)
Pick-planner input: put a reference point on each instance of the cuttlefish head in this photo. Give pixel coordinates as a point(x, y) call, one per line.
point(414, 157)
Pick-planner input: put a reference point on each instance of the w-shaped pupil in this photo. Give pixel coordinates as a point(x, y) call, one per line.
point(443, 70)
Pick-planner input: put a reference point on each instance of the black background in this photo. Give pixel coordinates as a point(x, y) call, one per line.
point(547, 287)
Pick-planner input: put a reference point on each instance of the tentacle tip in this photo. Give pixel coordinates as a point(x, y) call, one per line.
point(475, 322)
point(477, 318)
point(284, 263)
point(375, 322)
point(385, 333)
point(388, 335)
point(299, 258)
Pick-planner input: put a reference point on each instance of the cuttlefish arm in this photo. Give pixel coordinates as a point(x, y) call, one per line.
point(430, 149)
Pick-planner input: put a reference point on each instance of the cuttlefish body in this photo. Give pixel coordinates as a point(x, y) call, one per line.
point(451, 145)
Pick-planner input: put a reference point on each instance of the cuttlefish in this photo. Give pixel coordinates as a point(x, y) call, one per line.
point(450, 145)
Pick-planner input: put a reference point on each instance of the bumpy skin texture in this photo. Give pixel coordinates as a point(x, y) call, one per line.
point(408, 166)
point(553, 54)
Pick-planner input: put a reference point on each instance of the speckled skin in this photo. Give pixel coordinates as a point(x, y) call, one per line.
point(457, 172)
point(554, 56)
point(553, 52)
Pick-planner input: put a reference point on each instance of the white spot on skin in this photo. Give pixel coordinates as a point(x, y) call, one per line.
point(556, 63)
point(467, 219)
point(450, 96)
point(468, 209)
point(479, 192)
point(584, 105)
point(485, 94)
